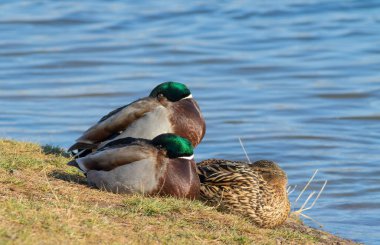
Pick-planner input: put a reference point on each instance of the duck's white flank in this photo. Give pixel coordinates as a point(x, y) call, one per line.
point(149, 126)
point(136, 177)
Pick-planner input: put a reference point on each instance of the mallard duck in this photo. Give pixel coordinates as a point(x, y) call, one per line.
point(162, 166)
point(169, 108)
point(257, 190)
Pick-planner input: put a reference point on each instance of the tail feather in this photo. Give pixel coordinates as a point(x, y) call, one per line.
point(74, 163)
point(81, 153)
point(82, 146)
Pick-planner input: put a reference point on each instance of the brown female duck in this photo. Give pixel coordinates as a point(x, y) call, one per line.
point(257, 190)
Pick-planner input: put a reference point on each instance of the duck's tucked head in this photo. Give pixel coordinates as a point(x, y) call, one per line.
point(271, 172)
point(173, 91)
point(175, 146)
point(267, 164)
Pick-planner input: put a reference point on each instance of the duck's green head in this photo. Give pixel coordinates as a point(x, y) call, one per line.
point(174, 145)
point(173, 91)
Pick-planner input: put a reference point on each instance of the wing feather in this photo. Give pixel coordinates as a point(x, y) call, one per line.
point(114, 123)
point(111, 157)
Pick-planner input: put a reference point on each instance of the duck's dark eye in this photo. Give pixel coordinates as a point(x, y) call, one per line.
point(160, 96)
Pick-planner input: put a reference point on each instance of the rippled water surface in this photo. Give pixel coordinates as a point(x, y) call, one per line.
point(299, 81)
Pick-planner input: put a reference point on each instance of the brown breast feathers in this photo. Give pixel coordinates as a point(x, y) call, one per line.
point(187, 120)
point(180, 179)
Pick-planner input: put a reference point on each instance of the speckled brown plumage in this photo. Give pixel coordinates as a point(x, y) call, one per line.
point(257, 190)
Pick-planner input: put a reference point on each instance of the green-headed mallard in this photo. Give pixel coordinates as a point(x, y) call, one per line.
point(257, 190)
point(169, 108)
point(162, 166)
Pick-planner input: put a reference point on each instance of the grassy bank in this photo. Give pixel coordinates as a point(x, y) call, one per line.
point(44, 201)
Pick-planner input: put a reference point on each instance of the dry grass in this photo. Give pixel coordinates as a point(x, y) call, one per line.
point(45, 202)
point(301, 211)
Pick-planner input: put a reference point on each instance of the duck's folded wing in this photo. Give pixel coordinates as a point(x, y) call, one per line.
point(114, 122)
point(110, 158)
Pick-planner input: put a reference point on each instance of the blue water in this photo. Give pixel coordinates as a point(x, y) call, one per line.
point(298, 81)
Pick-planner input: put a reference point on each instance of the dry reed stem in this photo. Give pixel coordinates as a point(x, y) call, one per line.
point(303, 209)
point(308, 183)
point(242, 146)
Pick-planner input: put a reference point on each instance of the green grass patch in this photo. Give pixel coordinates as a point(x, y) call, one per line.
point(43, 201)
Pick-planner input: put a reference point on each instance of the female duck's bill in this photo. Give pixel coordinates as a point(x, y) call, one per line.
point(162, 166)
point(169, 108)
point(257, 190)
